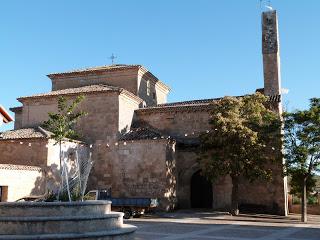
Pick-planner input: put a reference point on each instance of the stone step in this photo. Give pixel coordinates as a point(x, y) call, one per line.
point(25, 209)
point(124, 233)
point(56, 225)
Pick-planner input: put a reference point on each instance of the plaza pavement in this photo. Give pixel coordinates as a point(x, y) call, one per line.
point(192, 225)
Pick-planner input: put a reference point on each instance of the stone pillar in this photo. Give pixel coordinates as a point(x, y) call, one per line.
point(272, 88)
point(270, 51)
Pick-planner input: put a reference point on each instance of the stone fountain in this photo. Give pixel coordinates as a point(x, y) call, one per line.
point(65, 220)
point(62, 220)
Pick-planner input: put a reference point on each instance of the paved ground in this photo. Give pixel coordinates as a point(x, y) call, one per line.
point(210, 226)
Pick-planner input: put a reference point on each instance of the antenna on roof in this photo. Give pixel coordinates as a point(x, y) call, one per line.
point(265, 4)
point(112, 57)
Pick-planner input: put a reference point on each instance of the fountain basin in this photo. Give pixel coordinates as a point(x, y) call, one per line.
point(62, 220)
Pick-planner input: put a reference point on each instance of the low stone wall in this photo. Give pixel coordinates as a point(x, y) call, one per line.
point(312, 209)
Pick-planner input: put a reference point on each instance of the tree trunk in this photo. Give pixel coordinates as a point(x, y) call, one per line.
point(60, 168)
point(235, 196)
point(304, 201)
point(60, 157)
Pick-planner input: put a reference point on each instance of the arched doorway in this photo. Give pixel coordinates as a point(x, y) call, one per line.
point(201, 191)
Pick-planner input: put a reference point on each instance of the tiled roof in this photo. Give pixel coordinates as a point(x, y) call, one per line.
point(188, 103)
point(19, 167)
point(16, 109)
point(25, 133)
point(142, 134)
point(192, 105)
point(96, 69)
point(75, 91)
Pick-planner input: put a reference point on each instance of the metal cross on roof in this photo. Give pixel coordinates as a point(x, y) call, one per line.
point(112, 57)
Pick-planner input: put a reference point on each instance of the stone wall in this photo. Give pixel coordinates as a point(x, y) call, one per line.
point(157, 93)
point(132, 79)
point(180, 124)
point(21, 181)
point(101, 121)
point(266, 196)
point(126, 78)
point(270, 50)
point(35, 111)
point(187, 165)
point(144, 168)
point(40, 154)
point(185, 126)
point(150, 89)
point(18, 120)
point(161, 94)
point(269, 196)
point(27, 152)
point(69, 149)
point(126, 113)
point(147, 91)
point(222, 189)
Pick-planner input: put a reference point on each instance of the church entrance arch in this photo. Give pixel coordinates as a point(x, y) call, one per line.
point(201, 191)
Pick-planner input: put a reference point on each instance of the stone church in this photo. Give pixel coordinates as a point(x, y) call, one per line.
point(142, 146)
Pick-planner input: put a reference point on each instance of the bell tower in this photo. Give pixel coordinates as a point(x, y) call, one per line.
point(272, 88)
point(271, 57)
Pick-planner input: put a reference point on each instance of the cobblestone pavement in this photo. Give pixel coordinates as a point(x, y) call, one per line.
point(210, 226)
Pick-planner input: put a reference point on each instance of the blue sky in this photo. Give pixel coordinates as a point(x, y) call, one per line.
point(200, 48)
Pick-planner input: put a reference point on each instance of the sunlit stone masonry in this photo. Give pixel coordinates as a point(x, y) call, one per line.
point(142, 146)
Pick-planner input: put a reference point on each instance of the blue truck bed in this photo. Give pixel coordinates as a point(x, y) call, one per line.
point(130, 206)
point(134, 202)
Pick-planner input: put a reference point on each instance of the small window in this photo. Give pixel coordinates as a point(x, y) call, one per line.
point(154, 95)
point(3, 193)
point(148, 87)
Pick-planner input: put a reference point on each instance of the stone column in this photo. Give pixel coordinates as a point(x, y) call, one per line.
point(270, 51)
point(272, 88)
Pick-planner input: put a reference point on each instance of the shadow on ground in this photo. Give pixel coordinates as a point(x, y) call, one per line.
point(208, 225)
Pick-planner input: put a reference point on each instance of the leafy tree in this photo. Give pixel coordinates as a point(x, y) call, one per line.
point(302, 147)
point(239, 142)
point(296, 188)
point(62, 123)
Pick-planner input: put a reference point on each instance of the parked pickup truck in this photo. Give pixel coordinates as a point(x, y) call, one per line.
point(131, 207)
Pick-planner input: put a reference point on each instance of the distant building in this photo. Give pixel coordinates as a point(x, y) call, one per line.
point(143, 146)
point(4, 118)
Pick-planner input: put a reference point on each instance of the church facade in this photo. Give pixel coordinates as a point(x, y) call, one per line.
point(142, 146)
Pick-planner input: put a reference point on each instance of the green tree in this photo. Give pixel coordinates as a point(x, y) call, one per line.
point(302, 147)
point(62, 124)
point(296, 188)
point(243, 133)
